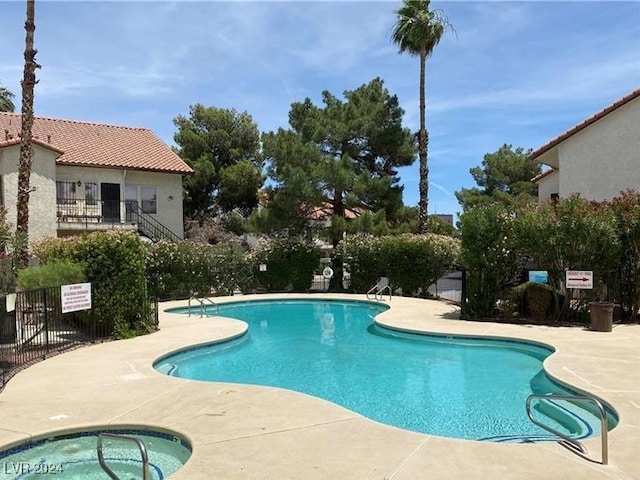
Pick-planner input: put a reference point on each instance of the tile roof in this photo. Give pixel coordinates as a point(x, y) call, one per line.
point(97, 145)
point(16, 141)
point(582, 125)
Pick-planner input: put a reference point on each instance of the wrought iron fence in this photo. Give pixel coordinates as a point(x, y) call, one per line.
point(554, 301)
point(33, 327)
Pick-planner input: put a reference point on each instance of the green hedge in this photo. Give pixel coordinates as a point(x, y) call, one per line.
point(289, 262)
point(411, 262)
point(115, 263)
point(52, 274)
point(188, 268)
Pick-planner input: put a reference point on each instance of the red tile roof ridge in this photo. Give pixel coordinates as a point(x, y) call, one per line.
point(81, 122)
point(585, 123)
point(34, 140)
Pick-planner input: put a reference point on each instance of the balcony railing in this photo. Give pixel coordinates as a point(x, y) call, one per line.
point(103, 214)
point(76, 211)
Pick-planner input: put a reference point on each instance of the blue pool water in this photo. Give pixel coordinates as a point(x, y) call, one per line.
point(459, 387)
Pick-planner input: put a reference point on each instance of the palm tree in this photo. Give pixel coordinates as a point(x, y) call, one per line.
point(24, 168)
point(6, 100)
point(418, 31)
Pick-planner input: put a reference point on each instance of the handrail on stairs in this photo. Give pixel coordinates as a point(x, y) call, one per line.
point(572, 441)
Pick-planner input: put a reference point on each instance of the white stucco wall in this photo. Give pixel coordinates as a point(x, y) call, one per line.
point(604, 158)
point(168, 189)
point(42, 201)
point(547, 186)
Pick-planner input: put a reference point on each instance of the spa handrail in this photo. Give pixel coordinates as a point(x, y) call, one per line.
point(143, 452)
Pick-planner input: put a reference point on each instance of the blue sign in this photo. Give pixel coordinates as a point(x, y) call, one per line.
point(538, 276)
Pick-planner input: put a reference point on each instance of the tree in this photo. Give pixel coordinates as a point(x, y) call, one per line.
point(338, 159)
point(505, 176)
point(24, 168)
point(6, 100)
point(223, 148)
point(418, 31)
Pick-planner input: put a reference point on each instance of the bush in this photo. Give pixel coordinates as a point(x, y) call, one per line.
point(115, 262)
point(490, 256)
point(187, 268)
point(539, 299)
point(290, 264)
point(362, 258)
point(51, 275)
point(411, 262)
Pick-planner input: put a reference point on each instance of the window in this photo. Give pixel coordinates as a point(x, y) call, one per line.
point(131, 194)
point(65, 192)
point(148, 199)
point(91, 193)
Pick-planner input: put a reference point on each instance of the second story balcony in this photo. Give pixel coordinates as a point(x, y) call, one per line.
point(77, 214)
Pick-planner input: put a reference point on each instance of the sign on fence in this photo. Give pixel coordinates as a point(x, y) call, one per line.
point(580, 279)
point(538, 276)
point(75, 297)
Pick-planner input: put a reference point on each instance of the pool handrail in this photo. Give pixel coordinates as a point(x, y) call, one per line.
point(572, 441)
point(143, 452)
point(379, 288)
point(201, 301)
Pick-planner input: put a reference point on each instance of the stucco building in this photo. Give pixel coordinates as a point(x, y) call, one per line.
point(598, 158)
point(89, 176)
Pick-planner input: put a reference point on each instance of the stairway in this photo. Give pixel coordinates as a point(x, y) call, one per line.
point(149, 226)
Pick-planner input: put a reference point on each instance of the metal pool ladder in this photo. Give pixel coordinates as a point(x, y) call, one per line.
point(379, 288)
point(143, 452)
point(201, 301)
point(572, 442)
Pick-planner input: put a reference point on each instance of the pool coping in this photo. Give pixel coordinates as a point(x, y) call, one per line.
point(246, 432)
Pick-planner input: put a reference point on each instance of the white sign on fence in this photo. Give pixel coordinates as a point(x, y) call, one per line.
point(580, 279)
point(75, 297)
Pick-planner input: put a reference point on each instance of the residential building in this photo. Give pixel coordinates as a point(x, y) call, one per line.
point(598, 158)
point(89, 176)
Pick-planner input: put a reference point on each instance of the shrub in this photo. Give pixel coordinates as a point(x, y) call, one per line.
point(411, 262)
point(626, 209)
point(115, 262)
point(362, 259)
point(539, 299)
point(490, 255)
point(290, 264)
point(187, 268)
point(51, 275)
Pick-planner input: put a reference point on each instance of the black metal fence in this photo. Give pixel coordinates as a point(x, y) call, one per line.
point(552, 301)
point(33, 327)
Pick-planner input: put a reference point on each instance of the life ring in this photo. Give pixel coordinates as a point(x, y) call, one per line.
point(327, 272)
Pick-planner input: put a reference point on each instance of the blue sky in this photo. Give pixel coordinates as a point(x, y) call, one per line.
point(513, 72)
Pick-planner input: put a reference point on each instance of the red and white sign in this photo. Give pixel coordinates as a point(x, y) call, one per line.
point(76, 297)
point(580, 279)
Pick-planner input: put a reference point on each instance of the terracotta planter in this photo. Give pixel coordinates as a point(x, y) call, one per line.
point(601, 316)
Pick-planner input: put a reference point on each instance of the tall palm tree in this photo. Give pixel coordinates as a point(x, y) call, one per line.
point(24, 168)
point(6, 100)
point(418, 31)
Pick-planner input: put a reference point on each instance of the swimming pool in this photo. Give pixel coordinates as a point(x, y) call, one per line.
point(74, 455)
point(458, 387)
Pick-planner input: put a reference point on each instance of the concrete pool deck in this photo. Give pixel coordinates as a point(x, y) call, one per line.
point(251, 432)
